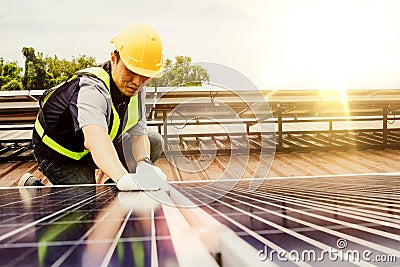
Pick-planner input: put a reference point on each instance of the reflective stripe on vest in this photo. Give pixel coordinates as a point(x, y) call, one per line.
point(132, 110)
point(133, 115)
point(55, 146)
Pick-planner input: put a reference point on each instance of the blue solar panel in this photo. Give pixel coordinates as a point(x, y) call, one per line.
point(283, 221)
point(346, 215)
point(80, 226)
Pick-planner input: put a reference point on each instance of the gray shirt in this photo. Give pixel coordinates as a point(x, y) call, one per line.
point(95, 106)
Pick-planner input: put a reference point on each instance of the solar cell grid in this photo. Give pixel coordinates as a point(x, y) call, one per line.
point(99, 226)
point(81, 226)
point(309, 213)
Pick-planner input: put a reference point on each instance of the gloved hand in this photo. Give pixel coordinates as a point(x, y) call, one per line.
point(151, 175)
point(129, 182)
point(147, 178)
point(146, 169)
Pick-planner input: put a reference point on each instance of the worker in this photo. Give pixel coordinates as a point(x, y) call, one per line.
point(81, 122)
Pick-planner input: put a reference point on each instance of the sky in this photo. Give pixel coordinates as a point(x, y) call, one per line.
point(278, 44)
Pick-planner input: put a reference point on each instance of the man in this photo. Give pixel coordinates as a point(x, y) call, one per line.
point(82, 121)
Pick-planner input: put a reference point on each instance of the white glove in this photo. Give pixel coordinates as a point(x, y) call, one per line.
point(151, 175)
point(145, 169)
point(129, 182)
point(147, 178)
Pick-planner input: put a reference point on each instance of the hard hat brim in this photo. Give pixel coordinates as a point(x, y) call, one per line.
point(144, 72)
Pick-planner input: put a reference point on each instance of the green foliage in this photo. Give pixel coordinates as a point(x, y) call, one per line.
point(4, 80)
point(46, 72)
point(58, 70)
point(181, 73)
point(35, 72)
point(12, 85)
point(43, 72)
point(10, 75)
point(11, 70)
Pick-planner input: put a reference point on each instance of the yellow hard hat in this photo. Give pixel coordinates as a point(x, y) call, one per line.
point(140, 48)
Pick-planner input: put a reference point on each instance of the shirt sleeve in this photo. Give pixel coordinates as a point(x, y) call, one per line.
point(92, 103)
point(141, 127)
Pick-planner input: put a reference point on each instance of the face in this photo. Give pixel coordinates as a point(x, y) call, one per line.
point(127, 81)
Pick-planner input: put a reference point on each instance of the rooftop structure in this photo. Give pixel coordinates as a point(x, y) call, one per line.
point(331, 185)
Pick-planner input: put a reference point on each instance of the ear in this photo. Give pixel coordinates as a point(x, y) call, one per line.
point(113, 58)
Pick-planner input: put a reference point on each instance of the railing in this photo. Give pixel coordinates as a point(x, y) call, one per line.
point(296, 120)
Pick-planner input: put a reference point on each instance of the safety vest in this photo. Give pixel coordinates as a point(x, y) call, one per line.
point(100, 73)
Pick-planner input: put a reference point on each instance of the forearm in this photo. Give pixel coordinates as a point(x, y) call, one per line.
point(140, 146)
point(147, 176)
point(98, 142)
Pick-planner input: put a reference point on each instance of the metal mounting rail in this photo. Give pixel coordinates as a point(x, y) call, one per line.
point(303, 120)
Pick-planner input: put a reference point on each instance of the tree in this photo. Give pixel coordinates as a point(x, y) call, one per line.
point(10, 75)
point(11, 70)
point(35, 72)
point(59, 70)
point(12, 85)
point(45, 72)
point(181, 73)
point(82, 62)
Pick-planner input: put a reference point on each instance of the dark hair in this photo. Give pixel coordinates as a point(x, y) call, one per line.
point(116, 53)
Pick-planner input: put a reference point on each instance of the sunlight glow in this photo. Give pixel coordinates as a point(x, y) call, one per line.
point(332, 42)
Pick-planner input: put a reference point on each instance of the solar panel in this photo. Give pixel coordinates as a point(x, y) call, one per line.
point(82, 226)
point(319, 221)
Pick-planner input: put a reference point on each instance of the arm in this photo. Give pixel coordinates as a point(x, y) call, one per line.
point(98, 142)
point(140, 140)
point(140, 146)
point(147, 176)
